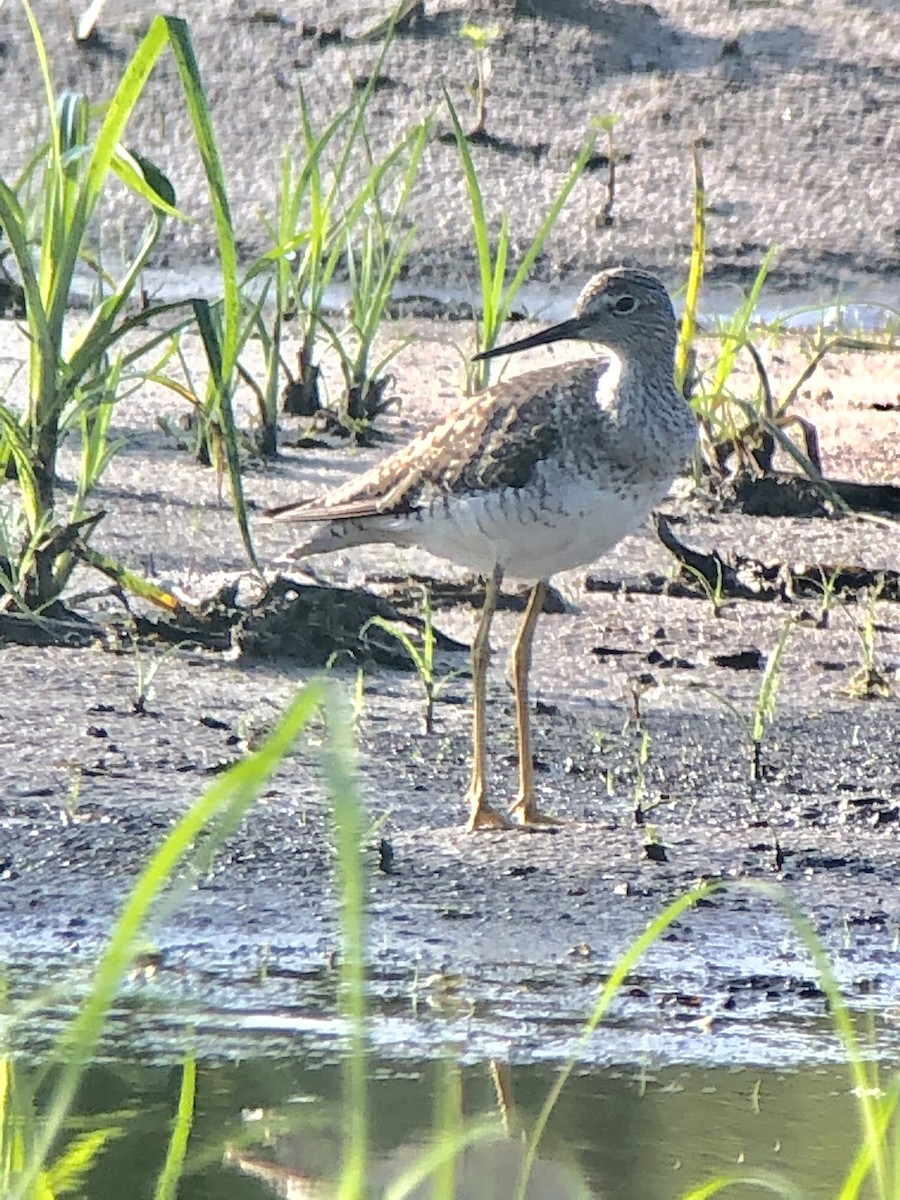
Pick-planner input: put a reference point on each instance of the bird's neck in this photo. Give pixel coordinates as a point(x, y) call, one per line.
point(629, 385)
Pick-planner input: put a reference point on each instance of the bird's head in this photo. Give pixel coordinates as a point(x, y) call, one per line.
point(621, 308)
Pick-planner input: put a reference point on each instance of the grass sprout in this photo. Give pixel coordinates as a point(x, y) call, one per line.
point(422, 660)
point(480, 37)
point(496, 295)
point(868, 682)
point(685, 351)
point(764, 712)
point(715, 593)
point(756, 724)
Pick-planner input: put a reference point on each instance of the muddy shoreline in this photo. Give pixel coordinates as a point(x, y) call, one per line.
point(524, 925)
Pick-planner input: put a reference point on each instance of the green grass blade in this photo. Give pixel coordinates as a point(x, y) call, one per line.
point(170, 1175)
point(863, 1077)
point(438, 1155)
point(688, 330)
point(19, 448)
point(736, 334)
point(341, 780)
point(146, 180)
point(68, 1174)
point(228, 346)
point(236, 789)
point(764, 713)
point(623, 966)
point(403, 638)
point(476, 202)
point(128, 580)
point(14, 224)
point(120, 107)
point(201, 119)
point(546, 226)
point(215, 356)
point(496, 306)
point(761, 1181)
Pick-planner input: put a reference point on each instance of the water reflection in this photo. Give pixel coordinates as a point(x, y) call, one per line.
point(485, 1170)
point(491, 1167)
point(275, 1127)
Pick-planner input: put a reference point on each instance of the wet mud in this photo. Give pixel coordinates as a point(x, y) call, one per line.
point(642, 711)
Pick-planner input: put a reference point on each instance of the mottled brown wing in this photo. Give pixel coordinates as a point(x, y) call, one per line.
point(494, 440)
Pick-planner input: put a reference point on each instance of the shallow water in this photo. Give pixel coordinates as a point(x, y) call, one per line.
point(868, 308)
point(274, 1126)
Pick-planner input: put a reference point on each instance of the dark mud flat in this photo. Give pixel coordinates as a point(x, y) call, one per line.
point(494, 943)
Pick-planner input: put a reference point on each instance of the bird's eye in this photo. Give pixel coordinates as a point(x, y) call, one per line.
point(624, 306)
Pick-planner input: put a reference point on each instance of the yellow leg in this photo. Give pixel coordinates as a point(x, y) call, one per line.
point(523, 809)
point(501, 1074)
point(481, 815)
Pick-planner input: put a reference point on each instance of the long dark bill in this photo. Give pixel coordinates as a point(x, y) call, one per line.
point(572, 328)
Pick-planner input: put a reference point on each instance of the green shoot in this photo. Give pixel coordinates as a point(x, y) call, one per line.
point(479, 38)
point(829, 589)
point(422, 660)
point(868, 682)
point(685, 354)
point(606, 125)
point(642, 757)
point(167, 1185)
point(764, 713)
point(715, 593)
point(496, 298)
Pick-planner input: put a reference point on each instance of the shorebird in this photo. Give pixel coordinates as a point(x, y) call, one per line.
point(535, 475)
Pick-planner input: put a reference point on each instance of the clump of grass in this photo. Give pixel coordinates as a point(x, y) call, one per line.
point(496, 295)
point(74, 377)
point(319, 217)
point(748, 430)
point(309, 209)
point(374, 258)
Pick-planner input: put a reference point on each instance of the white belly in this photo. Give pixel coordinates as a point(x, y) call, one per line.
point(532, 540)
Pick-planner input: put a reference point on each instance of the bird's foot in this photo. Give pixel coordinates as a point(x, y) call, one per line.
point(482, 816)
point(526, 814)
